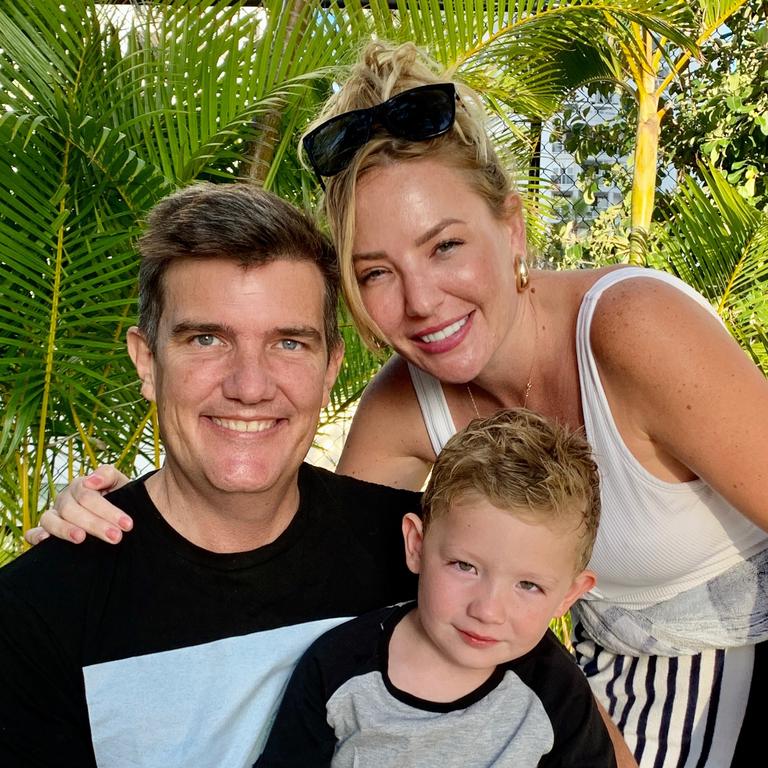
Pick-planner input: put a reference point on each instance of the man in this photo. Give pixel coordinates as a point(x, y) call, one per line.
point(173, 647)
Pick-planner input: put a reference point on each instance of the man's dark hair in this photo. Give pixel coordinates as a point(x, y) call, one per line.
point(237, 221)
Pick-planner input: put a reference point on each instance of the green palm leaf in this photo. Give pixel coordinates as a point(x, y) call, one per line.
point(717, 242)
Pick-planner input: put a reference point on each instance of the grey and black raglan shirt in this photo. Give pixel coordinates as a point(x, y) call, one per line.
point(342, 710)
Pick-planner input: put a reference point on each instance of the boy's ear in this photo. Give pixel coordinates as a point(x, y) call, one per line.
point(413, 536)
point(582, 583)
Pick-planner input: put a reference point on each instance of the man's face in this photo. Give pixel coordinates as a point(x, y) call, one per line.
point(240, 373)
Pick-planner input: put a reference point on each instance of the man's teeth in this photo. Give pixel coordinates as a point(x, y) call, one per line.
point(244, 426)
point(444, 333)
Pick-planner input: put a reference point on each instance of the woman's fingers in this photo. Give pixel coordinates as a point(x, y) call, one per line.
point(81, 509)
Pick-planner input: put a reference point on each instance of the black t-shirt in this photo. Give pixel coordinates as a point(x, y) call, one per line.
point(164, 653)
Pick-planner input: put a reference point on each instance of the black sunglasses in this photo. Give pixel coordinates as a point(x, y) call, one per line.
point(416, 115)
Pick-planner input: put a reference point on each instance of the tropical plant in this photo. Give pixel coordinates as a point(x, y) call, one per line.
point(100, 120)
point(717, 241)
point(102, 115)
point(720, 114)
point(652, 64)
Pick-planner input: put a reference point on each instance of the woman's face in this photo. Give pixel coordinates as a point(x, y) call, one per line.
point(435, 267)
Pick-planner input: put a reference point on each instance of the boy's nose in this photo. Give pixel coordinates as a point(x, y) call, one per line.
point(488, 606)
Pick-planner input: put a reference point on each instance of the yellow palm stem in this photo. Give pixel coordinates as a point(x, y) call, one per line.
point(646, 156)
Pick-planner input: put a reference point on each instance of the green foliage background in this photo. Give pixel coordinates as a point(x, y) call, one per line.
point(99, 119)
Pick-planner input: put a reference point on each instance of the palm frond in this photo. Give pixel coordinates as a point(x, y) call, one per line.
point(717, 242)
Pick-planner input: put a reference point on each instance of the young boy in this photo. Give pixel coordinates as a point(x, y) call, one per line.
point(470, 675)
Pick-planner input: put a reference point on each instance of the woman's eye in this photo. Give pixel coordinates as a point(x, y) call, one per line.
point(370, 275)
point(446, 246)
point(206, 340)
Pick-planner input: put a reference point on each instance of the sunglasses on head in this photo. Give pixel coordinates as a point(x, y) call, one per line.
point(416, 115)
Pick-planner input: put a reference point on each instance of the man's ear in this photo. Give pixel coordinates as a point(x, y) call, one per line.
point(582, 583)
point(143, 360)
point(413, 537)
point(336, 355)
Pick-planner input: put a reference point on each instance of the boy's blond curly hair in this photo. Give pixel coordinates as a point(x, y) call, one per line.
point(522, 462)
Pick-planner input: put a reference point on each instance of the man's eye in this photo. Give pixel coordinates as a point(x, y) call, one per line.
point(206, 340)
point(291, 344)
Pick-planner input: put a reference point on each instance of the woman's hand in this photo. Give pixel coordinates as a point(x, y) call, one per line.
point(81, 509)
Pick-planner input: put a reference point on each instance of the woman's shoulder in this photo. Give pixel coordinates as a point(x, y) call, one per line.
point(388, 442)
point(391, 380)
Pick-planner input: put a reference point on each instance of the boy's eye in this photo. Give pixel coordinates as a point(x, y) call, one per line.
point(464, 567)
point(528, 586)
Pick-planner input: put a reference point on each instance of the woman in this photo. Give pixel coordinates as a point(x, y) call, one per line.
point(432, 250)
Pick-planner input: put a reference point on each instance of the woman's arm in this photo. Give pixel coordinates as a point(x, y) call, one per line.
point(388, 442)
point(686, 398)
point(81, 509)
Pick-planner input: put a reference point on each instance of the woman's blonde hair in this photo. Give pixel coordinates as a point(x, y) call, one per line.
point(382, 71)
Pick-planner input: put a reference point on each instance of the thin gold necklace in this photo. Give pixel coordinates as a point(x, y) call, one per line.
point(528, 386)
point(529, 383)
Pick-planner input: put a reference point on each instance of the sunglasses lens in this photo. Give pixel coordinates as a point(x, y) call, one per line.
point(418, 114)
point(421, 113)
point(332, 145)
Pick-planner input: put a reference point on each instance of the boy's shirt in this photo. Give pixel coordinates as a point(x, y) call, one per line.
point(341, 709)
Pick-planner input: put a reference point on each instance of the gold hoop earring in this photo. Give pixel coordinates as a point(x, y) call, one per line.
point(522, 277)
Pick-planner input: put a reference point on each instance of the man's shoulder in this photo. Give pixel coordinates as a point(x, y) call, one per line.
point(58, 570)
point(351, 489)
point(133, 497)
point(51, 561)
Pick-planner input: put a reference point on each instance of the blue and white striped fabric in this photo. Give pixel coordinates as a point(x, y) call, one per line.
point(682, 711)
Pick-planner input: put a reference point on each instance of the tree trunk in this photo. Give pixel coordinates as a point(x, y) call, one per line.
point(268, 125)
point(644, 176)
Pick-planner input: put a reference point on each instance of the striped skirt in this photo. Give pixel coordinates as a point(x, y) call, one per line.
point(701, 711)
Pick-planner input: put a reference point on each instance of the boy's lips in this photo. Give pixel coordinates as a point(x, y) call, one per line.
point(476, 641)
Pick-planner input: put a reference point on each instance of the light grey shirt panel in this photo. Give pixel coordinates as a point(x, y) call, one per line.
point(508, 728)
point(208, 705)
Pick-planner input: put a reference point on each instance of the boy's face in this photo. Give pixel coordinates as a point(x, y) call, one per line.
point(489, 583)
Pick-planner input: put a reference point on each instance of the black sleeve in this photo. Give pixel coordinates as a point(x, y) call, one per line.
point(301, 736)
point(581, 738)
point(43, 716)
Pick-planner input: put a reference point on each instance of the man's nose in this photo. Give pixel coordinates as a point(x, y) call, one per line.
point(249, 378)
